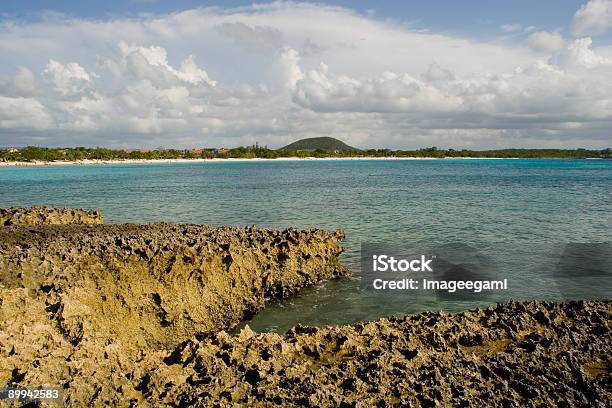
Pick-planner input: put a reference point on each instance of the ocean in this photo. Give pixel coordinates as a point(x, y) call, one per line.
point(544, 225)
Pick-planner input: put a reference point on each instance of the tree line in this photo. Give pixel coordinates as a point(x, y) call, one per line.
point(33, 153)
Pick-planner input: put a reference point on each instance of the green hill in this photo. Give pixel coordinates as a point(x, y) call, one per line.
point(328, 144)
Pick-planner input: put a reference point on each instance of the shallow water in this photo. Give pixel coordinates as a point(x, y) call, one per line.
point(520, 213)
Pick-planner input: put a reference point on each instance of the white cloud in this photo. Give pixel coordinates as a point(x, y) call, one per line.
point(67, 79)
point(23, 113)
point(579, 54)
point(511, 28)
point(285, 71)
point(593, 18)
point(20, 84)
point(277, 72)
point(572, 86)
point(545, 41)
point(259, 37)
point(391, 92)
point(437, 73)
point(151, 62)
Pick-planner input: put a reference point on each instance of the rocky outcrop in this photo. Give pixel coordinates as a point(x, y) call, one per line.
point(154, 285)
point(48, 216)
point(135, 315)
point(86, 307)
point(512, 355)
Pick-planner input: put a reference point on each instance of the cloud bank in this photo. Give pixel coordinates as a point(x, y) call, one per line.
point(282, 71)
point(593, 18)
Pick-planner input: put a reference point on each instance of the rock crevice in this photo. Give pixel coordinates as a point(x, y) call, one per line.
point(154, 285)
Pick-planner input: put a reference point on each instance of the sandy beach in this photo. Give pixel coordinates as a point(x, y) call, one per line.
point(216, 160)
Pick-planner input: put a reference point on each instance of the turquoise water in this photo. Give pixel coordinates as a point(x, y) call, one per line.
point(521, 213)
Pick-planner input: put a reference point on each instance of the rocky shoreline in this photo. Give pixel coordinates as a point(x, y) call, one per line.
point(136, 315)
point(153, 285)
point(48, 216)
point(513, 355)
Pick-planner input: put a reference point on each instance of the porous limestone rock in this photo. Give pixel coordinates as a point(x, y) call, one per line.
point(135, 315)
point(48, 216)
point(92, 308)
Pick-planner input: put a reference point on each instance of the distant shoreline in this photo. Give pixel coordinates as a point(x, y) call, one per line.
point(229, 160)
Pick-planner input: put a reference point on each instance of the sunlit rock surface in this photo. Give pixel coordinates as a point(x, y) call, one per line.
point(136, 315)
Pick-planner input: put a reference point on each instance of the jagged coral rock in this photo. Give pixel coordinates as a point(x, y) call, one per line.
point(506, 355)
point(48, 216)
point(133, 315)
point(152, 285)
point(90, 307)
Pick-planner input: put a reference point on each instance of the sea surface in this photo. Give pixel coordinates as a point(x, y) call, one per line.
point(542, 224)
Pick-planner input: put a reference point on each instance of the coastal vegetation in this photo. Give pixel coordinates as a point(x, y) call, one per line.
point(322, 150)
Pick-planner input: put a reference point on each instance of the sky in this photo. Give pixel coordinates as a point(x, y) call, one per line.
point(375, 74)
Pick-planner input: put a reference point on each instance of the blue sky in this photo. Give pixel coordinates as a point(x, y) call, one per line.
point(468, 17)
point(473, 74)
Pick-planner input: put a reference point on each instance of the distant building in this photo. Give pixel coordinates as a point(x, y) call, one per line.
point(222, 150)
